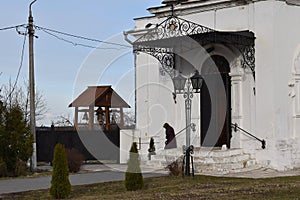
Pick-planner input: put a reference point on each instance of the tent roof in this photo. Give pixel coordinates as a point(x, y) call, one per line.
point(99, 96)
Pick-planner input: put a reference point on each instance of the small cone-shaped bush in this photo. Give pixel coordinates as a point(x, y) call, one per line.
point(60, 184)
point(151, 146)
point(133, 177)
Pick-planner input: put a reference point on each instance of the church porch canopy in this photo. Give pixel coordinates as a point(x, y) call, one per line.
point(172, 34)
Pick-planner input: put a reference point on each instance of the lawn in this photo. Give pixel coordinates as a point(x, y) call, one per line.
point(199, 187)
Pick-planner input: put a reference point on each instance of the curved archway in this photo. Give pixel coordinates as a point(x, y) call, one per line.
point(215, 126)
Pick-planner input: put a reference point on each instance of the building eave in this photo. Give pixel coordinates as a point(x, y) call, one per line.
point(194, 6)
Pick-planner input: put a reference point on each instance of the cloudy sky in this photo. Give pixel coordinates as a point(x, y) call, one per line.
point(65, 66)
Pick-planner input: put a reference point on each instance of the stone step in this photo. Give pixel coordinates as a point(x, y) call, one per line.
point(164, 158)
point(230, 159)
point(203, 152)
point(211, 152)
point(204, 160)
point(208, 160)
point(225, 168)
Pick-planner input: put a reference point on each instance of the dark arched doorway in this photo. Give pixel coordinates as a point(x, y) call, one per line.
point(216, 102)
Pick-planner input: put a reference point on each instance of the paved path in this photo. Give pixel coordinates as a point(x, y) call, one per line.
point(107, 173)
point(27, 184)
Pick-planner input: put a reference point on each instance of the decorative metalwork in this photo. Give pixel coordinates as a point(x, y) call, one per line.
point(164, 56)
point(161, 41)
point(173, 27)
point(248, 58)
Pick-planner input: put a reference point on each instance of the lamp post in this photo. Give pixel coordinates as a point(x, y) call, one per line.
point(187, 87)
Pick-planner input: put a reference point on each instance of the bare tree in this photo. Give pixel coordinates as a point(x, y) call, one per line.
point(129, 119)
point(63, 121)
point(19, 95)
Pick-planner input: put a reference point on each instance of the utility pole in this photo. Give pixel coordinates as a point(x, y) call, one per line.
point(33, 163)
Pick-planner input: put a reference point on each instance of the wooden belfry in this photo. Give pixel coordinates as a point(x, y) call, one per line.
point(99, 101)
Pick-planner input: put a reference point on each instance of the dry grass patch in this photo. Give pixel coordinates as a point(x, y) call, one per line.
point(199, 187)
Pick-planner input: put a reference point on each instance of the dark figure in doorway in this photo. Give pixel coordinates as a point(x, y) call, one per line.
point(170, 136)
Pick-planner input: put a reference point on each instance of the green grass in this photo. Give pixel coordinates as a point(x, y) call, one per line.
point(199, 187)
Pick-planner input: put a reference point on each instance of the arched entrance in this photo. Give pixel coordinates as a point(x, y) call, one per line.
point(215, 100)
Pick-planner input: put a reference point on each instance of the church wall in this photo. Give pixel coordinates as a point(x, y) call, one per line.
point(268, 106)
point(286, 32)
point(276, 41)
point(155, 104)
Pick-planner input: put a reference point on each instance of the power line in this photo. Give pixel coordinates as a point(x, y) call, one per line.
point(21, 64)
point(12, 27)
point(78, 44)
point(81, 37)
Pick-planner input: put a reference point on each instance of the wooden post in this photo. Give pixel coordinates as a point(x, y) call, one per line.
point(107, 121)
point(91, 117)
point(76, 118)
point(122, 118)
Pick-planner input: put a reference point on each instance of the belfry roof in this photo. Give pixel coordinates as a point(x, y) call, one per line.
point(99, 96)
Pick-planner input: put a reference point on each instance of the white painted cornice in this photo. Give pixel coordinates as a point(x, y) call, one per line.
point(194, 6)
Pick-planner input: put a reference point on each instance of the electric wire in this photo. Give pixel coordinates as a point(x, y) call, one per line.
point(12, 27)
point(81, 37)
point(20, 66)
point(79, 44)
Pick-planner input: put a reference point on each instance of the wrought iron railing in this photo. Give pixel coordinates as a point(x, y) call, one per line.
point(236, 128)
point(192, 125)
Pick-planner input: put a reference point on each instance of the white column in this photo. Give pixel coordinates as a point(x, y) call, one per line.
point(237, 74)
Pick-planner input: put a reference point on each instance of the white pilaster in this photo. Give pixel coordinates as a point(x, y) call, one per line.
point(236, 74)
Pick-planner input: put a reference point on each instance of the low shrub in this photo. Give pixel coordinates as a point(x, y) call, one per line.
point(21, 168)
point(75, 160)
point(175, 167)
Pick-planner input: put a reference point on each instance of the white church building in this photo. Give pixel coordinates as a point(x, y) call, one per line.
point(247, 111)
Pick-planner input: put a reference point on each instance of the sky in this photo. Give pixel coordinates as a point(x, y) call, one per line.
point(63, 69)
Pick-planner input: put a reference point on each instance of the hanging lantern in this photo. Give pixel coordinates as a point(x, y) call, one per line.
point(197, 81)
point(179, 83)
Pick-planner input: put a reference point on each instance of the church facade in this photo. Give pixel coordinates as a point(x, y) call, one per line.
point(248, 55)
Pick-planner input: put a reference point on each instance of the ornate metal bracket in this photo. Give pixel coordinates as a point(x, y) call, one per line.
point(248, 54)
point(164, 56)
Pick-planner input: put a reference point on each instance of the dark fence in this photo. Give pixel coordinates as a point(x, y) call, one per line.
point(93, 145)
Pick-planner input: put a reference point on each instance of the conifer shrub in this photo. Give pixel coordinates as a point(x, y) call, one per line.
point(151, 149)
point(75, 160)
point(15, 137)
point(133, 176)
point(151, 145)
point(60, 184)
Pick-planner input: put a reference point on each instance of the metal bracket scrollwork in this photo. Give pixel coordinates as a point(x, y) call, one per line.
point(164, 56)
point(246, 46)
point(173, 27)
point(170, 28)
point(248, 54)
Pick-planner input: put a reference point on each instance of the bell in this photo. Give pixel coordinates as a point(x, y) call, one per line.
point(85, 116)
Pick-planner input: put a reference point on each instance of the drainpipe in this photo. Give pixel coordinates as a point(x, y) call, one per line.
point(125, 33)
